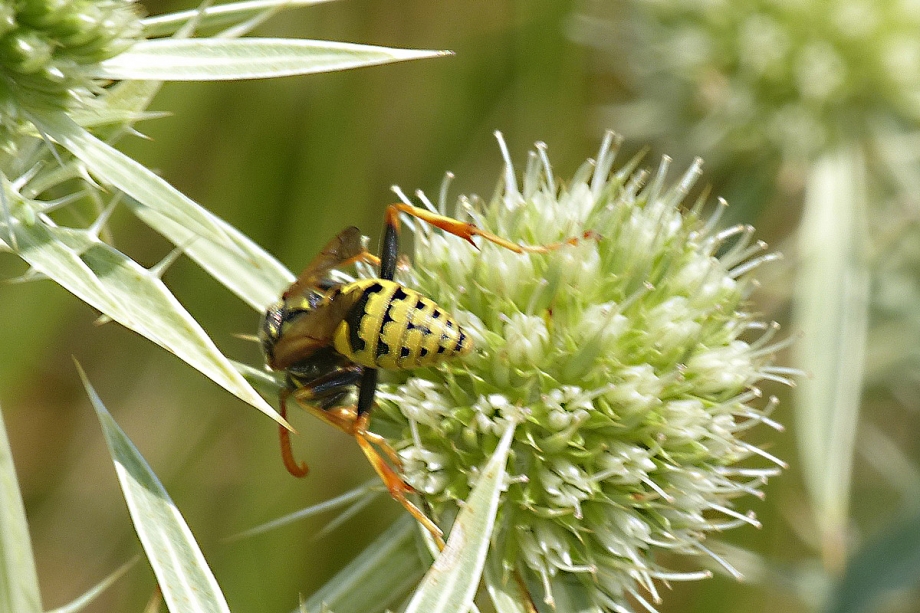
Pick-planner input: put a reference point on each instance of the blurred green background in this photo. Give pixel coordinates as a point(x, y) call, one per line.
point(290, 162)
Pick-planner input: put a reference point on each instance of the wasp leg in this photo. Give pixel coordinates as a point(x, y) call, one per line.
point(314, 397)
point(466, 230)
point(354, 422)
point(347, 420)
point(394, 483)
point(366, 392)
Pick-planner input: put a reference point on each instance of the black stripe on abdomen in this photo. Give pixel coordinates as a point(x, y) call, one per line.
point(356, 314)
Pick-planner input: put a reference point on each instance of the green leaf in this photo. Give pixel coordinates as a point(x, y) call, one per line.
point(18, 579)
point(379, 577)
point(182, 573)
point(91, 594)
point(247, 270)
point(113, 167)
point(220, 59)
point(831, 309)
point(217, 16)
point(890, 562)
point(451, 583)
point(131, 295)
point(122, 104)
point(244, 267)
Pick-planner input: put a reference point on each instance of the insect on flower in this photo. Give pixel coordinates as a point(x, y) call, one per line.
point(328, 336)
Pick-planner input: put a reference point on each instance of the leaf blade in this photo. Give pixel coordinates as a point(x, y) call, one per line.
point(182, 573)
point(235, 260)
point(220, 59)
point(128, 293)
point(19, 589)
point(217, 16)
point(367, 583)
point(831, 308)
point(247, 270)
point(115, 168)
point(450, 584)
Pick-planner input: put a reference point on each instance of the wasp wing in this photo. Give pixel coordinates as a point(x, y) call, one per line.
point(344, 249)
point(310, 330)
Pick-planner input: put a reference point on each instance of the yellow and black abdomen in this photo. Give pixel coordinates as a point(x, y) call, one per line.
point(392, 327)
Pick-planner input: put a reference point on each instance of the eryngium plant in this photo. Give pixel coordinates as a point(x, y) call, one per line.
point(47, 45)
point(759, 76)
point(630, 362)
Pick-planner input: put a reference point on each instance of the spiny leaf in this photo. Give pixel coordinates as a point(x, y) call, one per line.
point(220, 59)
point(831, 308)
point(182, 573)
point(247, 270)
point(449, 586)
point(128, 293)
point(217, 16)
point(114, 168)
point(376, 579)
point(18, 579)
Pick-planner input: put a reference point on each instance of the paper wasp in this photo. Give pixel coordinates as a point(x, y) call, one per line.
point(328, 336)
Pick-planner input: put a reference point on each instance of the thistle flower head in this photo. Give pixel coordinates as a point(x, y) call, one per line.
point(794, 76)
point(628, 361)
point(46, 44)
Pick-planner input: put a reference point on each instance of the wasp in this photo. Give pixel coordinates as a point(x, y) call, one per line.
point(328, 337)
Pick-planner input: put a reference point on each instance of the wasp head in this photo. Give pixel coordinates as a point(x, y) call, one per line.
point(270, 327)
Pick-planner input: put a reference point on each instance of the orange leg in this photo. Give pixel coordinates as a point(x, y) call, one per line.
point(467, 230)
point(346, 419)
point(364, 256)
point(395, 485)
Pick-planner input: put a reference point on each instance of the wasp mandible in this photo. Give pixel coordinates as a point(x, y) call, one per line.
point(327, 337)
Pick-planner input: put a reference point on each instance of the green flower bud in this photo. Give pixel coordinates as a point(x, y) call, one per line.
point(45, 45)
point(628, 361)
point(25, 51)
